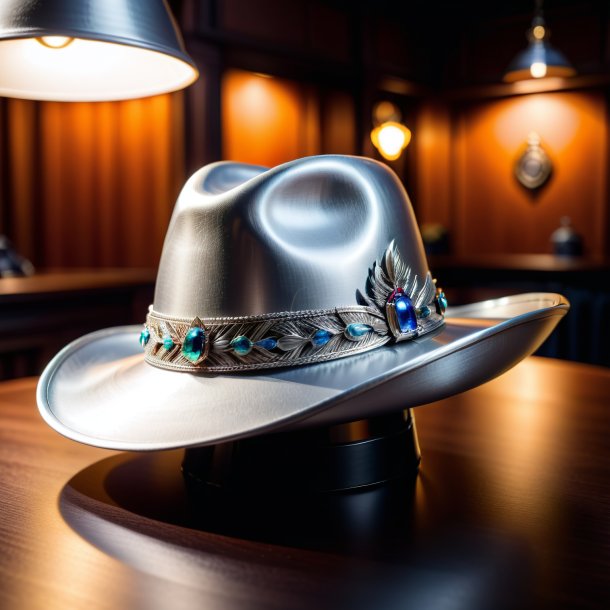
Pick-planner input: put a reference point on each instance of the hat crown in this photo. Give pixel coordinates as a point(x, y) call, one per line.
point(245, 241)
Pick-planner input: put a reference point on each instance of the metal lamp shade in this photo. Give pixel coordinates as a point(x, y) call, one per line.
point(538, 51)
point(110, 50)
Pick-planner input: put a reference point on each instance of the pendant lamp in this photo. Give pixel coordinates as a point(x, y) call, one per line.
point(539, 59)
point(90, 50)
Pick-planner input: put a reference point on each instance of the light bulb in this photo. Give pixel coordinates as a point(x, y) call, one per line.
point(391, 139)
point(538, 69)
point(55, 42)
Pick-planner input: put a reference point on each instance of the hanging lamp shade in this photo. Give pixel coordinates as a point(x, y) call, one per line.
point(90, 50)
point(539, 59)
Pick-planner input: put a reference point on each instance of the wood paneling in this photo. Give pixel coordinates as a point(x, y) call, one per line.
point(267, 121)
point(92, 184)
point(490, 212)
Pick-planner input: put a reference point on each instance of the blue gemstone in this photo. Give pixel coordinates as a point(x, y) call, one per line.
point(424, 312)
point(269, 343)
point(144, 337)
point(405, 313)
point(241, 345)
point(168, 342)
point(194, 344)
point(321, 337)
point(358, 330)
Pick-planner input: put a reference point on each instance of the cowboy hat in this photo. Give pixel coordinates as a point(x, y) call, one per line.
point(286, 298)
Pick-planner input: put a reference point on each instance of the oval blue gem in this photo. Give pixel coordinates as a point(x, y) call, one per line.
point(405, 313)
point(269, 343)
point(321, 337)
point(241, 345)
point(194, 343)
point(358, 330)
point(144, 337)
point(168, 342)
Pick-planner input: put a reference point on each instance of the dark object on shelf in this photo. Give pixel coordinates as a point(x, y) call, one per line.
point(12, 264)
point(566, 241)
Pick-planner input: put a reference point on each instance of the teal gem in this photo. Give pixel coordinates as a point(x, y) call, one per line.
point(356, 331)
point(269, 343)
point(168, 342)
point(424, 312)
point(441, 303)
point(144, 337)
point(241, 345)
point(321, 337)
point(194, 344)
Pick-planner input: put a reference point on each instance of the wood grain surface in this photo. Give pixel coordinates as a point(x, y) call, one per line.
point(511, 509)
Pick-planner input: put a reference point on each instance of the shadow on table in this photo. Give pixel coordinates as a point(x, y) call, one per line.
point(392, 546)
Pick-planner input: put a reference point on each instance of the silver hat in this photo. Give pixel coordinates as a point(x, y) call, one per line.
point(288, 297)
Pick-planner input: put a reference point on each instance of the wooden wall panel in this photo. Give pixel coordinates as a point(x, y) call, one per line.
point(93, 184)
point(491, 212)
point(267, 121)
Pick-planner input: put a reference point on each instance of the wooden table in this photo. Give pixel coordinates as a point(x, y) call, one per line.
point(511, 509)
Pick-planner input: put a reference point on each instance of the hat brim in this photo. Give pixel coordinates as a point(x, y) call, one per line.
point(98, 390)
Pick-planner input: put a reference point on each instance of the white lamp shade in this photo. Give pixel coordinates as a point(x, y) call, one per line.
point(108, 50)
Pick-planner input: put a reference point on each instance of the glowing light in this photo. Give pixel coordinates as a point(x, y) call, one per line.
point(55, 42)
point(538, 69)
point(74, 69)
point(391, 139)
point(538, 32)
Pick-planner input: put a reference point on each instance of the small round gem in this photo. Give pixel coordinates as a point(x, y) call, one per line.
point(144, 337)
point(168, 342)
point(356, 331)
point(269, 343)
point(241, 345)
point(424, 312)
point(194, 344)
point(321, 337)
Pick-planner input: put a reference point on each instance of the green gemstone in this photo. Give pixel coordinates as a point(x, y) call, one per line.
point(168, 342)
point(241, 345)
point(194, 344)
point(144, 337)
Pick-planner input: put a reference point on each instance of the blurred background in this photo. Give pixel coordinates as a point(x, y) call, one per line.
point(508, 178)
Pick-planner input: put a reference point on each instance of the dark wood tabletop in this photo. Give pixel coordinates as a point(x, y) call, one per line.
point(511, 509)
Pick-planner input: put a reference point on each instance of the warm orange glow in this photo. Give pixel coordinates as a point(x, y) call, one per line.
point(58, 68)
point(492, 212)
point(390, 139)
point(265, 120)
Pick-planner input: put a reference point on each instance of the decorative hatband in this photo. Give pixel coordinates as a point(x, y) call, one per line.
point(397, 306)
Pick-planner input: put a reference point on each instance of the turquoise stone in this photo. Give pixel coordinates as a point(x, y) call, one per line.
point(269, 343)
point(424, 312)
point(194, 344)
point(441, 303)
point(144, 337)
point(405, 313)
point(356, 331)
point(321, 337)
point(168, 342)
point(241, 345)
